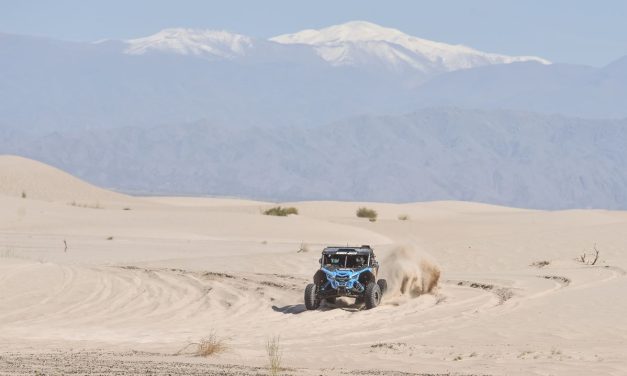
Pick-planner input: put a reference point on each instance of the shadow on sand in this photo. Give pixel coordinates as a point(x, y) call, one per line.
point(300, 308)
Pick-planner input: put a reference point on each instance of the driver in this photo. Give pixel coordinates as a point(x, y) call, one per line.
point(360, 261)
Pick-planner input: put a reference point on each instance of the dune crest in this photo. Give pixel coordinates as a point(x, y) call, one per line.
point(27, 178)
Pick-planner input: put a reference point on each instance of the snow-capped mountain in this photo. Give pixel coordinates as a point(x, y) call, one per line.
point(218, 44)
point(356, 43)
point(365, 43)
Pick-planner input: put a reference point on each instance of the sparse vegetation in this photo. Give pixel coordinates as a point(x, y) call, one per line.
point(127, 208)
point(110, 238)
point(208, 346)
point(8, 253)
point(23, 194)
point(364, 212)
point(540, 264)
point(403, 217)
point(589, 258)
point(85, 205)
point(303, 248)
point(396, 346)
point(273, 349)
point(281, 211)
point(503, 294)
point(563, 280)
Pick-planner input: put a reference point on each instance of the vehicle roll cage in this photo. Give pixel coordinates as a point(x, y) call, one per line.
point(363, 250)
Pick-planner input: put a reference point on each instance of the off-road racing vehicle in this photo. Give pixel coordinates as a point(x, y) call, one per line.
point(346, 271)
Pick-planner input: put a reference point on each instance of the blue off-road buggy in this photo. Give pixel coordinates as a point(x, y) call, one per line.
point(346, 271)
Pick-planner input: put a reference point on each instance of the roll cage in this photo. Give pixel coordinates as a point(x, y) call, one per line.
point(348, 257)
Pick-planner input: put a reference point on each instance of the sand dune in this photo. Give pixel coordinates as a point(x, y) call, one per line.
point(26, 177)
point(135, 286)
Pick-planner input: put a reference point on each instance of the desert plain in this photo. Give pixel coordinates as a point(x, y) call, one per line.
point(98, 282)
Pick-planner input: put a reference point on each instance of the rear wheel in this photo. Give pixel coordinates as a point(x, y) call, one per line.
point(372, 295)
point(383, 285)
point(311, 300)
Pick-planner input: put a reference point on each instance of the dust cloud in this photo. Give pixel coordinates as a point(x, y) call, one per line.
point(409, 272)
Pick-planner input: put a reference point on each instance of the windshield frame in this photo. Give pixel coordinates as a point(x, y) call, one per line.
point(344, 258)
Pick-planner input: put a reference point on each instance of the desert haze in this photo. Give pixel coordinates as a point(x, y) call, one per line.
point(97, 282)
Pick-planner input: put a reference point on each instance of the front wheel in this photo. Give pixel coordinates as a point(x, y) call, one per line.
point(311, 300)
point(383, 285)
point(372, 295)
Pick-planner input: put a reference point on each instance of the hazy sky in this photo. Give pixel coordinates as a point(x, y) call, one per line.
point(573, 31)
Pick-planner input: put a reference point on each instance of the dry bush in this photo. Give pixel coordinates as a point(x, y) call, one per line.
point(208, 346)
point(280, 211)
point(540, 264)
point(23, 194)
point(84, 205)
point(403, 217)
point(584, 257)
point(273, 349)
point(303, 248)
point(364, 212)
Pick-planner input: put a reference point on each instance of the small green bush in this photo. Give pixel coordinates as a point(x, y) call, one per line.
point(281, 212)
point(367, 213)
point(403, 217)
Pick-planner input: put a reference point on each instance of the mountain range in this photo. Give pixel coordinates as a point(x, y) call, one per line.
point(353, 111)
point(503, 157)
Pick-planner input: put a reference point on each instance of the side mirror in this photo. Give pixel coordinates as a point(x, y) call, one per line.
point(320, 261)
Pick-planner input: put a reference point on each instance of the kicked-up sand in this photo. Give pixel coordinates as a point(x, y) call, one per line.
point(96, 282)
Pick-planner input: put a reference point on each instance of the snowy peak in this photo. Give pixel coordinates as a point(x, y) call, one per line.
point(210, 43)
point(355, 43)
point(365, 43)
point(353, 31)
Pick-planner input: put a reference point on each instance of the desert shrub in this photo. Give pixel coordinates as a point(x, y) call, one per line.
point(280, 211)
point(273, 349)
point(208, 346)
point(540, 264)
point(23, 194)
point(85, 205)
point(367, 213)
point(304, 248)
point(403, 217)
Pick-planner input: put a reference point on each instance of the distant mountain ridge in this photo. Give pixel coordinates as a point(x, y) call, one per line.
point(501, 157)
point(319, 114)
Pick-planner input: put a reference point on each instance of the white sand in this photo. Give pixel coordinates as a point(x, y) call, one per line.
point(149, 279)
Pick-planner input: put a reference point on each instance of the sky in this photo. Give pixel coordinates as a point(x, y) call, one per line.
point(567, 31)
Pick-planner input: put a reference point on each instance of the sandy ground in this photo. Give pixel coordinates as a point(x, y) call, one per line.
point(95, 282)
